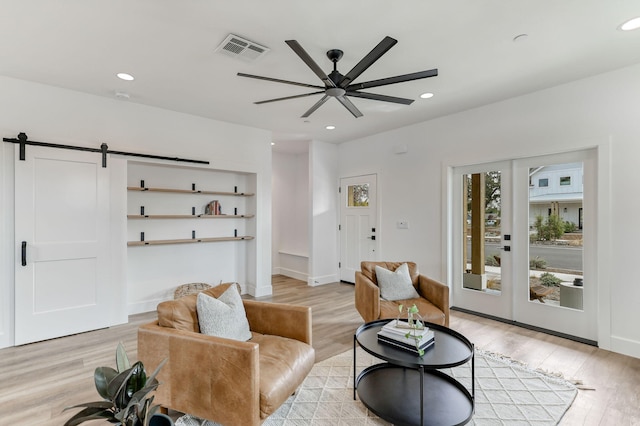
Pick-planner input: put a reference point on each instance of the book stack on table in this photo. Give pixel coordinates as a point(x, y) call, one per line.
point(399, 334)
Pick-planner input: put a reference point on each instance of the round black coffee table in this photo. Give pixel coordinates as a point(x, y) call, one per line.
point(408, 389)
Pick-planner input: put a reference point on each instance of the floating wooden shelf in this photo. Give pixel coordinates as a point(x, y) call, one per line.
point(190, 216)
point(187, 241)
point(189, 191)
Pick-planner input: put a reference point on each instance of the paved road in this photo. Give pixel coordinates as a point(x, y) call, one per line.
point(558, 257)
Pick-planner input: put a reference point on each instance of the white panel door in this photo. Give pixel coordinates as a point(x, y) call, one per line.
point(358, 224)
point(62, 243)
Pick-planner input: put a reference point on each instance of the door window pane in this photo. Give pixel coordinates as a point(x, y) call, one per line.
point(555, 236)
point(358, 195)
point(482, 212)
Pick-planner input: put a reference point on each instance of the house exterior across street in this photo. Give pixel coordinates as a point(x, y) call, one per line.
point(556, 189)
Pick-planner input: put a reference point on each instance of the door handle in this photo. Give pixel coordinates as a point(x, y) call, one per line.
point(373, 237)
point(24, 253)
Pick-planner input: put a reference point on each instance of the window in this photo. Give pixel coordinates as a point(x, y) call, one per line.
point(543, 182)
point(565, 180)
point(358, 195)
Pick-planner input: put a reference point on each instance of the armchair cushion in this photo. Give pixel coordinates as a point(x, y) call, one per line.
point(395, 285)
point(181, 313)
point(223, 316)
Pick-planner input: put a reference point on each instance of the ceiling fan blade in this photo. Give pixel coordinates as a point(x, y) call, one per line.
point(376, 97)
point(310, 62)
point(349, 105)
point(375, 54)
point(315, 106)
point(393, 80)
point(288, 97)
point(277, 80)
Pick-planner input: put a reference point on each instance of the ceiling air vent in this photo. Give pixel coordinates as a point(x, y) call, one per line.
point(242, 48)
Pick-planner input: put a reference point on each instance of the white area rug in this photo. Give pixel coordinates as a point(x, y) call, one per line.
point(507, 393)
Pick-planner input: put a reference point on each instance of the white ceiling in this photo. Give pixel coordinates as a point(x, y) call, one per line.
point(168, 45)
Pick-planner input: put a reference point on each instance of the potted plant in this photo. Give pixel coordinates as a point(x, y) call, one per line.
point(125, 392)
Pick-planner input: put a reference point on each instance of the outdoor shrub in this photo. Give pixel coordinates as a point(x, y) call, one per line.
point(537, 263)
point(550, 280)
point(550, 229)
point(570, 227)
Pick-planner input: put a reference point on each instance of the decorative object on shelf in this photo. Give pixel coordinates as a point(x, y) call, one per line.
point(213, 208)
point(125, 395)
point(577, 282)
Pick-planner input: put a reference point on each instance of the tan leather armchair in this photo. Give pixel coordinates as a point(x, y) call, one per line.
point(433, 302)
point(223, 380)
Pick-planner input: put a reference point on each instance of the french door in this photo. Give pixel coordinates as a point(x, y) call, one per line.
point(523, 241)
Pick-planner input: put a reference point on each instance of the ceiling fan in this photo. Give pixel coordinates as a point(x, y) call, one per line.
point(341, 86)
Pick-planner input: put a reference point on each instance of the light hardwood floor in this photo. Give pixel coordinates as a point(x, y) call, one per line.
point(38, 380)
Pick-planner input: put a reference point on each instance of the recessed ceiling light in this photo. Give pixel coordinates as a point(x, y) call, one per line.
point(631, 24)
point(125, 76)
point(426, 95)
point(330, 127)
point(273, 143)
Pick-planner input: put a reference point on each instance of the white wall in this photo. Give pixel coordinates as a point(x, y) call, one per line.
point(323, 172)
point(601, 111)
point(51, 114)
point(290, 205)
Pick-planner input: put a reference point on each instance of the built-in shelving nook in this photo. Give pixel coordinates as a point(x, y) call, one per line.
point(189, 224)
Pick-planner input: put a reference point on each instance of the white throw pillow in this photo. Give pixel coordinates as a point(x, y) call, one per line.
point(395, 285)
point(224, 316)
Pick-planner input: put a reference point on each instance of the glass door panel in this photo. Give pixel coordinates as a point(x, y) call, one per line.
point(482, 234)
point(481, 267)
point(555, 234)
point(554, 242)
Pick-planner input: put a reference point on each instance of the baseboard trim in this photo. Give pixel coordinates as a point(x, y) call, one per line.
point(293, 274)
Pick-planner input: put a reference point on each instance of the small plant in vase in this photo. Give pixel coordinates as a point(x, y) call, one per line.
point(413, 324)
point(125, 393)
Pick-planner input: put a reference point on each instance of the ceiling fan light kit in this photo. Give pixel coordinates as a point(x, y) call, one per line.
point(341, 87)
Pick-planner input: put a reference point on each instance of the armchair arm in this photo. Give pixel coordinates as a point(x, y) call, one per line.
point(279, 319)
point(210, 377)
point(436, 293)
point(367, 298)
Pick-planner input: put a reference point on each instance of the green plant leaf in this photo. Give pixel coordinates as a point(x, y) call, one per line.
point(118, 389)
point(138, 378)
point(122, 360)
point(102, 376)
point(157, 370)
point(89, 413)
point(94, 405)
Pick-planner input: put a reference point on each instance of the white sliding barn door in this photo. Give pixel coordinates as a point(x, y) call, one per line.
point(62, 244)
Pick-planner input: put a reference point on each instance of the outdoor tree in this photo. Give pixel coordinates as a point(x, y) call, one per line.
point(492, 196)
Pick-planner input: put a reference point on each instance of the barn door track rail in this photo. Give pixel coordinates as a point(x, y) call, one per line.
point(104, 150)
